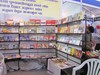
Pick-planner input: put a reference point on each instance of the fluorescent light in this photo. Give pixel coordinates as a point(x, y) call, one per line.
point(93, 15)
point(98, 0)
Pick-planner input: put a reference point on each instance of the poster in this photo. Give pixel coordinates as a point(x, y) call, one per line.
point(45, 8)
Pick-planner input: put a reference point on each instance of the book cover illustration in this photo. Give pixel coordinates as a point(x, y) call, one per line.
point(43, 22)
point(50, 29)
point(72, 51)
point(24, 37)
point(21, 22)
point(32, 22)
point(82, 27)
point(53, 22)
point(7, 30)
point(32, 30)
point(10, 22)
point(76, 28)
point(71, 29)
point(68, 29)
point(81, 15)
point(69, 49)
point(37, 22)
point(48, 22)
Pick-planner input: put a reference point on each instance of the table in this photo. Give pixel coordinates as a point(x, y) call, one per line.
point(55, 68)
point(67, 71)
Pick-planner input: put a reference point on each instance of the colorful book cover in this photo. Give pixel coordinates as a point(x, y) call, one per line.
point(48, 22)
point(72, 51)
point(21, 30)
point(25, 30)
point(46, 38)
point(31, 21)
point(68, 29)
point(1, 30)
point(76, 28)
point(59, 21)
point(53, 22)
point(63, 20)
point(7, 30)
point(32, 30)
point(69, 50)
point(10, 22)
point(50, 30)
point(37, 22)
point(71, 29)
point(81, 15)
point(22, 23)
point(43, 22)
point(70, 18)
point(79, 53)
point(82, 27)
point(59, 29)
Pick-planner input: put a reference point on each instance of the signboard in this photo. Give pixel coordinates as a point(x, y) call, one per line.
point(46, 8)
point(91, 2)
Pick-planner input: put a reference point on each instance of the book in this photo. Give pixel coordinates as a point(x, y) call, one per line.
point(32, 30)
point(81, 15)
point(22, 23)
point(48, 22)
point(43, 22)
point(31, 21)
point(53, 22)
point(10, 22)
point(76, 28)
point(71, 29)
point(72, 51)
point(37, 22)
point(68, 29)
point(69, 50)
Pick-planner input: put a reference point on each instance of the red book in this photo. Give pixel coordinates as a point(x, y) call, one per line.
point(48, 22)
point(53, 22)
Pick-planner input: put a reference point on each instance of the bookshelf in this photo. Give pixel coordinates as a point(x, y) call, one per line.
point(69, 37)
point(9, 40)
point(14, 38)
point(37, 38)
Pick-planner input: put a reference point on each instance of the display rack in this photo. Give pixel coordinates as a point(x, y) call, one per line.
point(25, 34)
point(69, 37)
point(33, 41)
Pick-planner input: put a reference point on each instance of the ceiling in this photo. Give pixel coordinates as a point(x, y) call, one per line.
point(90, 10)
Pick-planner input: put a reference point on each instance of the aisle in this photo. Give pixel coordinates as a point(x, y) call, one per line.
point(29, 73)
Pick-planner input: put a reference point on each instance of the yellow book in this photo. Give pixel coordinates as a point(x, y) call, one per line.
point(72, 51)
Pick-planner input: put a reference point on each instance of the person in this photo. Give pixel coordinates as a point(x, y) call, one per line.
point(88, 42)
point(96, 34)
point(88, 45)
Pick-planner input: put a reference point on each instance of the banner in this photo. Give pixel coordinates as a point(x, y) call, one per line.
point(46, 8)
point(90, 2)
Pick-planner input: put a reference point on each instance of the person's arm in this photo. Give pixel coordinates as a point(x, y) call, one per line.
point(93, 44)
